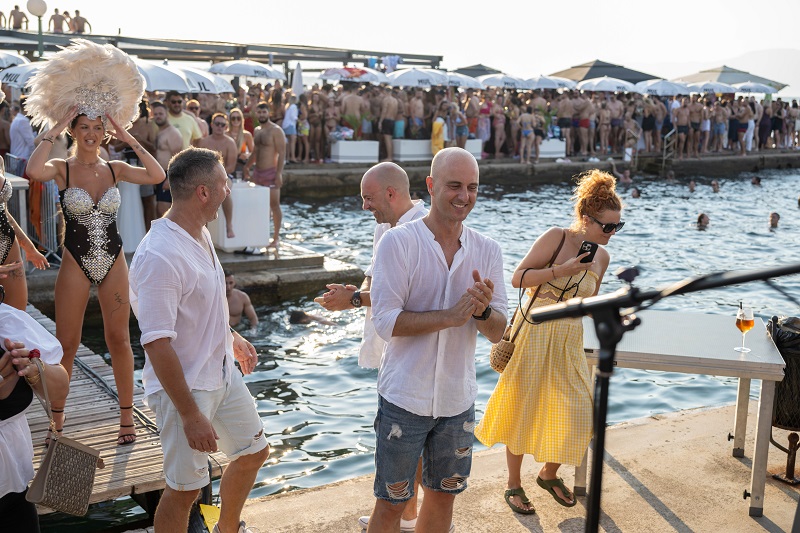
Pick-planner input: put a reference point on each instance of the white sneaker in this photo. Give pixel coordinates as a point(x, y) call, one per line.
point(242, 528)
point(407, 526)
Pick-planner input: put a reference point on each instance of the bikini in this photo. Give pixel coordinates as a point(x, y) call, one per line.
point(91, 235)
point(7, 234)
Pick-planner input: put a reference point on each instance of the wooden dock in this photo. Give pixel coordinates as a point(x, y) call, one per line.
point(93, 419)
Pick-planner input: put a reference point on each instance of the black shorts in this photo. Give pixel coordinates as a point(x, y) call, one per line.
point(162, 195)
point(564, 123)
point(387, 126)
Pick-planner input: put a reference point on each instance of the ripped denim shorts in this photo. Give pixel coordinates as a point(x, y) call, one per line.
point(445, 444)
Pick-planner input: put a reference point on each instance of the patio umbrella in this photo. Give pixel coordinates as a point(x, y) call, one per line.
point(454, 79)
point(504, 81)
point(606, 84)
point(354, 74)
point(726, 74)
point(417, 77)
point(297, 80)
point(546, 82)
point(246, 67)
point(753, 87)
point(598, 69)
point(8, 59)
point(207, 82)
point(659, 87)
point(19, 75)
point(164, 78)
point(712, 87)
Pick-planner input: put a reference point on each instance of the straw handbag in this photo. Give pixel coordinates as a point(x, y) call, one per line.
point(501, 352)
point(66, 476)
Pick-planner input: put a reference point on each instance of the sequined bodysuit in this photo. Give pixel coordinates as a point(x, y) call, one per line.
point(7, 234)
point(91, 235)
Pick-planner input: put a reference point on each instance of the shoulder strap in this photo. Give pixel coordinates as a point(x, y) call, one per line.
point(113, 176)
point(536, 292)
point(66, 164)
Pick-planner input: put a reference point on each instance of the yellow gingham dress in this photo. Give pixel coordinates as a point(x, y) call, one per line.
point(542, 403)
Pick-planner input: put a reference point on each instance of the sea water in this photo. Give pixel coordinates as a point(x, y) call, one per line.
point(318, 406)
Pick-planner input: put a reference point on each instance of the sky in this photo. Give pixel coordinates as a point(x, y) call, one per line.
point(525, 39)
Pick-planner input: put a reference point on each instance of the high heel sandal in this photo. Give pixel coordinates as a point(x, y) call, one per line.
point(50, 430)
point(125, 438)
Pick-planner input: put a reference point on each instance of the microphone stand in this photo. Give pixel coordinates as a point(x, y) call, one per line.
point(613, 315)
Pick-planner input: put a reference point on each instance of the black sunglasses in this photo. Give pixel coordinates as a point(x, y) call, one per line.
point(608, 228)
point(220, 124)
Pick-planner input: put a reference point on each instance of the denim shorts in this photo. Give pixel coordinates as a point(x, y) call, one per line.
point(445, 444)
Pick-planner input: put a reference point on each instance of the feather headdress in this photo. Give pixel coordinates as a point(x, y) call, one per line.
point(100, 79)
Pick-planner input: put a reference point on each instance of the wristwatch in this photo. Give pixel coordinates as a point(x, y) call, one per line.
point(485, 315)
point(355, 301)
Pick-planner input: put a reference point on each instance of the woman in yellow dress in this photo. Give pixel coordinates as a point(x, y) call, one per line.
point(542, 403)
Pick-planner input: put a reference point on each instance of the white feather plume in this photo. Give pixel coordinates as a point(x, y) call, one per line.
point(100, 79)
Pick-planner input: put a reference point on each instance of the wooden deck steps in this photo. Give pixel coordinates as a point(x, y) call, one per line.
point(93, 419)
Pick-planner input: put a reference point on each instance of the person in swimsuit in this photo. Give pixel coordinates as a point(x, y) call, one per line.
point(11, 239)
point(242, 138)
point(526, 135)
point(315, 125)
point(499, 125)
point(92, 246)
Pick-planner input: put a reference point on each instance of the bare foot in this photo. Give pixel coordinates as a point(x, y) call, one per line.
point(274, 244)
point(231, 234)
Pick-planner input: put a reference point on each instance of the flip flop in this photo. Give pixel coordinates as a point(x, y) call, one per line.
point(521, 493)
point(548, 484)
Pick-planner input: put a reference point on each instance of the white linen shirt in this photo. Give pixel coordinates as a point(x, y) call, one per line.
point(16, 446)
point(177, 291)
point(371, 343)
point(432, 374)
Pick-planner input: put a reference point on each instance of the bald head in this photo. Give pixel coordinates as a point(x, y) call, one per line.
point(450, 158)
point(453, 186)
point(385, 193)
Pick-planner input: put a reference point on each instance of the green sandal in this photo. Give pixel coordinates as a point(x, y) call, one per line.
point(548, 484)
point(521, 493)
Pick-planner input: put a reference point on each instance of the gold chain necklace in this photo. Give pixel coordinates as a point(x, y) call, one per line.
point(92, 166)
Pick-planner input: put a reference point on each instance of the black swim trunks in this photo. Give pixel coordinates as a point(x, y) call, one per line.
point(387, 127)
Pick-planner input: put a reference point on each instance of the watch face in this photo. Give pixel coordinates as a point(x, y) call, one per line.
point(356, 299)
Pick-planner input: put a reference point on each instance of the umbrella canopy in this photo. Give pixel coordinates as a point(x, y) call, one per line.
point(551, 82)
point(476, 70)
point(606, 84)
point(715, 87)
point(207, 82)
point(454, 79)
point(417, 77)
point(19, 75)
point(164, 78)
point(504, 81)
point(659, 87)
point(297, 80)
point(730, 75)
point(598, 69)
point(246, 67)
point(8, 59)
point(753, 87)
point(354, 74)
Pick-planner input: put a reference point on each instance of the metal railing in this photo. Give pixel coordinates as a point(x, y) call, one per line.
point(668, 152)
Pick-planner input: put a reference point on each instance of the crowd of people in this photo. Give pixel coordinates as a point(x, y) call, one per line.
point(58, 22)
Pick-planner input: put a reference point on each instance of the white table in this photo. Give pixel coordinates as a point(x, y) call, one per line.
point(695, 343)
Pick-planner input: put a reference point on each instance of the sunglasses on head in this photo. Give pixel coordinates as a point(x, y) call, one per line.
point(608, 228)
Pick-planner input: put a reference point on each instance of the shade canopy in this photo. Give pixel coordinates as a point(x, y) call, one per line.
point(753, 87)
point(164, 78)
point(418, 77)
point(551, 82)
point(454, 79)
point(661, 88)
point(726, 74)
point(606, 84)
point(207, 82)
point(19, 75)
point(9, 59)
point(476, 70)
point(246, 67)
point(598, 69)
point(715, 87)
point(504, 81)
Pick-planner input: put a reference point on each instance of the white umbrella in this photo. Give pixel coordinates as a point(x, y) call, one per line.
point(207, 82)
point(19, 75)
point(566, 82)
point(454, 79)
point(753, 87)
point(354, 74)
point(246, 67)
point(504, 81)
point(8, 59)
point(547, 82)
point(659, 87)
point(712, 87)
point(164, 78)
point(297, 80)
point(417, 77)
point(606, 84)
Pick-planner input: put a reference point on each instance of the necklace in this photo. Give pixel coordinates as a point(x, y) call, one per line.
point(93, 166)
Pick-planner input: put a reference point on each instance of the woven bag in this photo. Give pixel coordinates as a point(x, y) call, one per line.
point(502, 351)
point(66, 476)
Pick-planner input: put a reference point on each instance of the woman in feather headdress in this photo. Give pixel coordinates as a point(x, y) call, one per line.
point(92, 92)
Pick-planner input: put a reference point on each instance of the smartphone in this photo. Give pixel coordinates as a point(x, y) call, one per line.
point(590, 247)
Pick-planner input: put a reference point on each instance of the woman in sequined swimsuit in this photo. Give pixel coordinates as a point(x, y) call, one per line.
point(11, 239)
point(93, 252)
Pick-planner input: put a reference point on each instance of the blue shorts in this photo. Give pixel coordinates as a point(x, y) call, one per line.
point(719, 128)
point(290, 130)
point(445, 444)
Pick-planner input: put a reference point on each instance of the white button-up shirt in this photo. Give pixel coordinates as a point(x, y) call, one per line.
point(431, 374)
point(177, 291)
point(371, 343)
point(22, 137)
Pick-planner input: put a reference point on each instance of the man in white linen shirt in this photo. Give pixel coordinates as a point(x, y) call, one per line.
point(428, 302)
point(177, 288)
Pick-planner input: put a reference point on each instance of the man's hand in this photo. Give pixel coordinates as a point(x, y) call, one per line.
point(462, 311)
point(199, 432)
point(337, 298)
point(245, 353)
point(482, 292)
